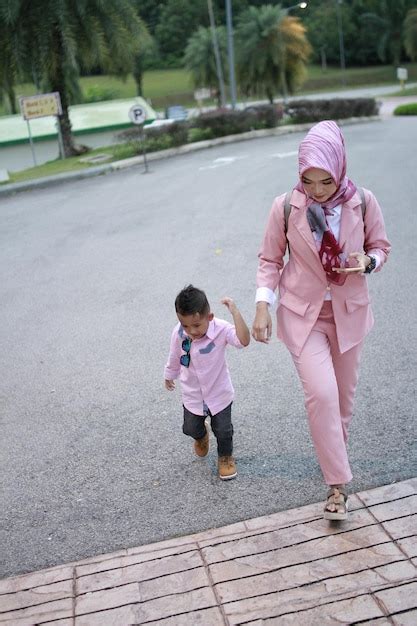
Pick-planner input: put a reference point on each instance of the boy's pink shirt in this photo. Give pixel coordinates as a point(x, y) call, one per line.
point(206, 382)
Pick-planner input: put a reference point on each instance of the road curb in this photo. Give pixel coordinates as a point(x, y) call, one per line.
point(100, 170)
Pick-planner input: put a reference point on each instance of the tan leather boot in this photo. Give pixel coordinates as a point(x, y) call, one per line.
point(227, 467)
point(201, 446)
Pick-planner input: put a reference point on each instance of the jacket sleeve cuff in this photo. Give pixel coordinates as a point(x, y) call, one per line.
point(265, 294)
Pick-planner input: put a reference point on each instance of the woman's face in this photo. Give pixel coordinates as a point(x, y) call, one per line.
point(318, 184)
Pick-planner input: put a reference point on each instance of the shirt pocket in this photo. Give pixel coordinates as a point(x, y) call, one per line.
point(294, 303)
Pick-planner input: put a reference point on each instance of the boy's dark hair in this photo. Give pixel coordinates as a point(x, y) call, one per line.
point(191, 300)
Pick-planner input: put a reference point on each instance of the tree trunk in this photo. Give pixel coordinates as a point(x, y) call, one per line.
point(138, 75)
point(58, 83)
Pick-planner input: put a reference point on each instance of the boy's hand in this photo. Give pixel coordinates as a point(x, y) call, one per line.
point(229, 303)
point(170, 385)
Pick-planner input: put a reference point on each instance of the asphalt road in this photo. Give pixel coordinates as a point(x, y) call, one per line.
point(91, 450)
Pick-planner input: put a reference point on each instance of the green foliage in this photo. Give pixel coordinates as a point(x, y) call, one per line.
point(222, 122)
point(97, 93)
point(199, 134)
point(55, 40)
point(271, 51)
point(179, 19)
point(333, 109)
point(406, 109)
point(199, 57)
point(410, 34)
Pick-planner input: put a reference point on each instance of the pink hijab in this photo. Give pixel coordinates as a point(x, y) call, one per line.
point(324, 147)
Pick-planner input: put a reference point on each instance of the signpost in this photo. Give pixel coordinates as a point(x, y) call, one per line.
point(402, 75)
point(202, 94)
point(41, 105)
point(137, 115)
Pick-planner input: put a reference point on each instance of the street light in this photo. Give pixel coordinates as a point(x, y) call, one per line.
point(299, 5)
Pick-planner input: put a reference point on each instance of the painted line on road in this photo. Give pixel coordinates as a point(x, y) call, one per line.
point(220, 162)
point(283, 155)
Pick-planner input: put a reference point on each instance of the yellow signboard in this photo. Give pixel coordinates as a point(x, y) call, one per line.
point(42, 105)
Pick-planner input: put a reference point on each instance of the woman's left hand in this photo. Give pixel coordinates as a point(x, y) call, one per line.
point(362, 260)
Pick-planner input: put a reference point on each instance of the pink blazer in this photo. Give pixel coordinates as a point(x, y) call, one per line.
point(302, 280)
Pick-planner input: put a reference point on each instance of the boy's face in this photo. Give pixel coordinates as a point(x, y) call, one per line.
point(195, 325)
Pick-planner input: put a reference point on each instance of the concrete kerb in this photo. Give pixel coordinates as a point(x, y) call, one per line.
point(99, 170)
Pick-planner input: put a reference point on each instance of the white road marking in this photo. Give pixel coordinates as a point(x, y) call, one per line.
point(283, 155)
point(220, 162)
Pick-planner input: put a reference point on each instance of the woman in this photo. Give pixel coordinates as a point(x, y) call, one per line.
point(324, 310)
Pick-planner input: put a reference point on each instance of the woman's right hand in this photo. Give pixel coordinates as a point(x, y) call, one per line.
point(262, 324)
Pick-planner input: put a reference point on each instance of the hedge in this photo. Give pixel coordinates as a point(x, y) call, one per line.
point(406, 109)
point(222, 122)
point(332, 109)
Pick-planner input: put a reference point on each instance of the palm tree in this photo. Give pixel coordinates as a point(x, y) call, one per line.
point(410, 34)
point(388, 22)
point(272, 50)
point(200, 60)
point(56, 38)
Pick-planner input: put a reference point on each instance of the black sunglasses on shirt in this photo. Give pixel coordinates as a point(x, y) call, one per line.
point(186, 358)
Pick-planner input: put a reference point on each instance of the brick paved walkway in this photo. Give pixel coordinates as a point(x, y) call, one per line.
point(288, 568)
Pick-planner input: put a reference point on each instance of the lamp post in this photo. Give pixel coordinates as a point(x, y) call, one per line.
point(341, 42)
point(231, 53)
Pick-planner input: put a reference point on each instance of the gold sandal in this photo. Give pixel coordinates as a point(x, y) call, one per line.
point(336, 506)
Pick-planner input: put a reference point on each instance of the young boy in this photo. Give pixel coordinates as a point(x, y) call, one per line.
point(197, 358)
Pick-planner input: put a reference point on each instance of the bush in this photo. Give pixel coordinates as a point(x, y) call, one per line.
point(199, 134)
point(335, 108)
point(169, 135)
point(406, 109)
point(95, 93)
point(223, 122)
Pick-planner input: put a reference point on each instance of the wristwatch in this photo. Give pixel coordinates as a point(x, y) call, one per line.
point(370, 268)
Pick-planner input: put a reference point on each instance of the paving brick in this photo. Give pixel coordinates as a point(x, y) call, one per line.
point(38, 595)
point(123, 560)
point(139, 572)
point(274, 539)
point(392, 510)
point(152, 610)
point(404, 527)
point(405, 619)
point(256, 561)
point(311, 595)
point(35, 579)
point(142, 591)
point(409, 545)
point(399, 598)
point(178, 542)
point(207, 617)
point(308, 573)
point(389, 492)
point(343, 612)
point(58, 609)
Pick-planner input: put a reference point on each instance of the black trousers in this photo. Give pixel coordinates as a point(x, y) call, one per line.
point(221, 425)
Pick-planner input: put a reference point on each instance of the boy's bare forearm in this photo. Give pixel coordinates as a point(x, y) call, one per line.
point(242, 331)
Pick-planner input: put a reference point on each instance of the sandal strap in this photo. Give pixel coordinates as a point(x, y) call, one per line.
point(341, 490)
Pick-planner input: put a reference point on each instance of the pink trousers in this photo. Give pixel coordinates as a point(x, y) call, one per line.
point(329, 380)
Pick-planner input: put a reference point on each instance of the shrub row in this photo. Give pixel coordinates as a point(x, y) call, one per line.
point(406, 109)
point(333, 109)
point(221, 122)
